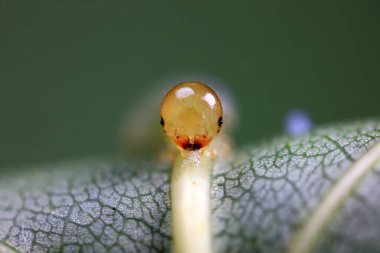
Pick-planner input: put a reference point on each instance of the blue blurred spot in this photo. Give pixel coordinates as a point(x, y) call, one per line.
point(297, 122)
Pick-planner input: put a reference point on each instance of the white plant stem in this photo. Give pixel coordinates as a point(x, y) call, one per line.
point(190, 203)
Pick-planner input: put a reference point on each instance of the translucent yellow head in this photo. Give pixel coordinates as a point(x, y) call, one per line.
point(191, 115)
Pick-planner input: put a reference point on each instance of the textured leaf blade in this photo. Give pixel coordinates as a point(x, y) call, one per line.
point(263, 201)
point(260, 200)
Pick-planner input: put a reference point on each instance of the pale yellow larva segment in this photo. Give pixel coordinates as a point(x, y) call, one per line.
point(192, 115)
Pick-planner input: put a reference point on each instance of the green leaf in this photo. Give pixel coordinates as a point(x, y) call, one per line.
point(263, 201)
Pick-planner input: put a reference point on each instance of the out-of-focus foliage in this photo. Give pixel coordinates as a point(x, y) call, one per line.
point(69, 70)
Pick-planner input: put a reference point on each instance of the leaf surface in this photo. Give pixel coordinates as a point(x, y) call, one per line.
point(261, 200)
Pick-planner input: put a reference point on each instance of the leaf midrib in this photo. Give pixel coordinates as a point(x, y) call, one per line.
point(307, 236)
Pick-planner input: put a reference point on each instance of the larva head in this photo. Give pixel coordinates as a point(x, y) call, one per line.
point(191, 115)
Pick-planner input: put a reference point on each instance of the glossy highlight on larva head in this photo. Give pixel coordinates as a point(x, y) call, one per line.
point(191, 115)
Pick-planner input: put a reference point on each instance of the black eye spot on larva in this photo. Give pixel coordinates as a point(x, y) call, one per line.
point(220, 121)
point(162, 122)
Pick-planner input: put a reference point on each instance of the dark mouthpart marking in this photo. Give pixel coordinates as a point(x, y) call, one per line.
point(192, 147)
point(198, 142)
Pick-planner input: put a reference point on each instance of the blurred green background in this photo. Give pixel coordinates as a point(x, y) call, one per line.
point(69, 70)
